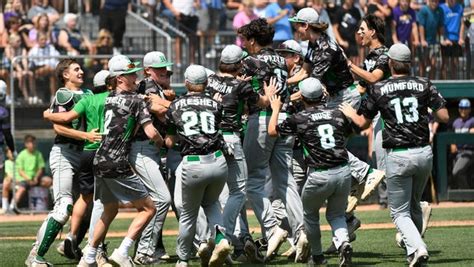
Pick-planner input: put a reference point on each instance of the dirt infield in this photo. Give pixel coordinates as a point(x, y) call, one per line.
point(131, 214)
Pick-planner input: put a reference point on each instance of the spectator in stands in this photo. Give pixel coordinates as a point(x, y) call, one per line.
point(184, 13)
point(104, 45)
point(41, 24)
point(383, 10)
point(260, 7)
point(404, 28)
point(244, 17)
point(43, 68)
point(431, 26)
point(345, 26)
point(42, 6)
point(464, 163)
point(451, 46)
point(15, 8)
point(318, 5)
point(20, 67)
point(30, 169)
point(13, 26)
point(4, 75)
point(277, 14)
point(112, 17)
point(209, 23)
point(71, 40)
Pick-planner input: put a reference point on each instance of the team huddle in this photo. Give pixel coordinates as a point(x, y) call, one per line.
point(271, 127)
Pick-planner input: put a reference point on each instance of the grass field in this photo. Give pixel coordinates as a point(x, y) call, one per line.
point(448, 246)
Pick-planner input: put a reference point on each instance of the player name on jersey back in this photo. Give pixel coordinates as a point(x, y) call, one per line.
point(402, 85)
point(195, 102)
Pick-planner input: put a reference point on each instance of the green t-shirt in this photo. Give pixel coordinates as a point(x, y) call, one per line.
point(30, 163)
point(93, 109)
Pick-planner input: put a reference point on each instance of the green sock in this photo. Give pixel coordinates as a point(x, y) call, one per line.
point(52, 229)
point(219, 236)
point(371, 170)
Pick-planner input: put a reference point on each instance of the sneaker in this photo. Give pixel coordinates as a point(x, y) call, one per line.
point(39, 261)
point(420, 258)
point(252, 253)
point(181, 263)
point(142, 259)
point(351, 203)
point(228, 260)
point(290, 253)
point(83, 263)
point(31, 256)
point(426, 213)
point(399, 240)
point(345, 254)
point(220, 253)
point(332, 250)
point(205, 252)
point(373, 180)
point(120, 260)
point(71, 251)
point(101, 256)
point(318, 260)
point(239, 255)
point(162, 255)
point(302, 248)
point(353, 224)
point(276, 239)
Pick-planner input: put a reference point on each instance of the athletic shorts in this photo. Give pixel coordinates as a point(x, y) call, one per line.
point(124, 189)
point(85, 175)
point(454, 50)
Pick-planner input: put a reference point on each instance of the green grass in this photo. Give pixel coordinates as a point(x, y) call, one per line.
point(448, 246)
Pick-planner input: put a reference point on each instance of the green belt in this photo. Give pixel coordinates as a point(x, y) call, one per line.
point(326, 169)
point(352, 87)
point(265, 113)
point(217, 154)
point(228, 133)
point(399, 149)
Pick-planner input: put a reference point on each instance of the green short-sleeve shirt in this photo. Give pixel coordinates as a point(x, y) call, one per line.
point(30, 163)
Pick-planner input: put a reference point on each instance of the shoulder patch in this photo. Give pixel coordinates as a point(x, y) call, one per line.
point(63, 96)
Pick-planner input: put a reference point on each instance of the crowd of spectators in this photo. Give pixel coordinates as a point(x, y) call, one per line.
point(436, 31)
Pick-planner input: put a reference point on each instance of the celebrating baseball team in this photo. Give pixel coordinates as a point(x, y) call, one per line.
point(270, 126)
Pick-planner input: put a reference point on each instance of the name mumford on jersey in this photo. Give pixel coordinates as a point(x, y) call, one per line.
point(400, 86)
point(196, 102)
point(220, 87)
point(321, 116)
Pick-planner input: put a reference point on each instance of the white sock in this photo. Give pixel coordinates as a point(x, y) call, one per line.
point(12, 204)
point(4, 203)
point(125, 246)
point(90, 255)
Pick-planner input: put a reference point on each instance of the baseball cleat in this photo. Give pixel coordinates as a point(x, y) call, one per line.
point(290, 253)
point(345, 254)
point(120, 260)
point(352, 225)
point(83, 263)
point(205, 252)
point(426, 213)
point(399, 239)
point(39, 261)
point(351, 203)
point(373, 180)
point(252, 253)
point(420, 258)
point(60, 249)
point(142, 259)
point(317, 261)
point(220, 253)
point(332, 250)
point(31, 256)
point(302, 248)
point(181, 264)
point(276, 239)
point(71, 251)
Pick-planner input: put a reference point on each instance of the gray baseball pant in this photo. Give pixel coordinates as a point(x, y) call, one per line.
point(145, 159)
point(359, 169)
point(380, 156)
point(299, 169)
point(334, 186)
point(464, 163)
point(263, 152)
point(407, 174)
point(202, 179)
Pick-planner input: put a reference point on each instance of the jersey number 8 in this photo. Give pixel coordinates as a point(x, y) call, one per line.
point(191, 120)
point(327, 136)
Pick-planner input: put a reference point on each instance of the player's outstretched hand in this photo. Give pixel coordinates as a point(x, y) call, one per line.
point(348, 110)
point(275, 103)
point(93, 136)
point(244, 78)
point(170, 94)
point(270, 88)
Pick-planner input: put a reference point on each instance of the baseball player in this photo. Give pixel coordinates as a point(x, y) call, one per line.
point(64, 158)
point(325, 60)
point(264, 153)
point(145, 159)
point(323, 133)
point(195, 118)
point(92, 108)
point(115, 181)
point(403, 102)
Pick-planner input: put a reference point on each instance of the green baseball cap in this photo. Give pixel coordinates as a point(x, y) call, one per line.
point(120, 65)
point(156, 59)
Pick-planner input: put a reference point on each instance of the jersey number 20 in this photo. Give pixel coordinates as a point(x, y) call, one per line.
point(191, 120)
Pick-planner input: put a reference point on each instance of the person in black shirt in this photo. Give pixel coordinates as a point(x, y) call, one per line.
point(323, 133)
point(265, 153)
point(195, 118)
point(403, 102)
point(347, 19)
